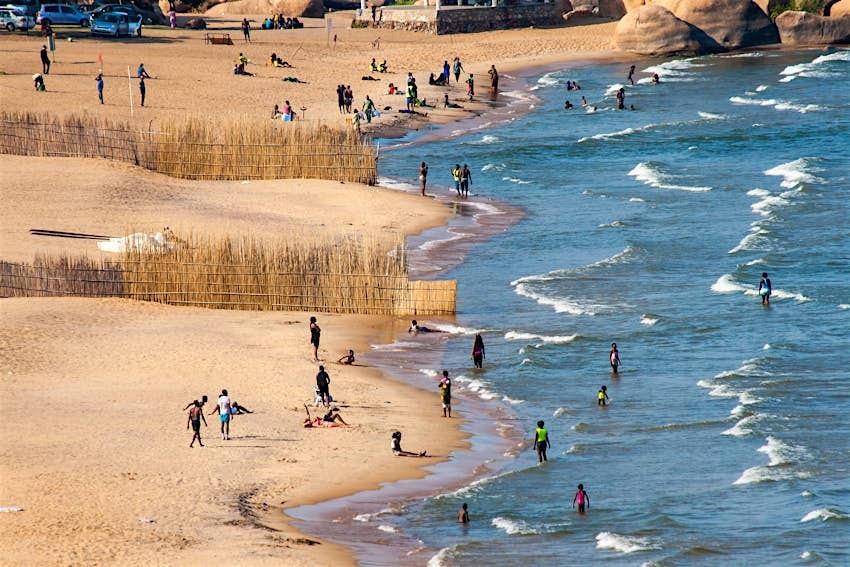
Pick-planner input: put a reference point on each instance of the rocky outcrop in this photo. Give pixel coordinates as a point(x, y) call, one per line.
point(612, 8)
point(802, 28)
point(289, 8)
point(654, 30)
point(840, 8)
point(196, 24)
point(728, 24)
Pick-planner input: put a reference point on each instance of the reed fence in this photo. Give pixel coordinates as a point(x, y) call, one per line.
point(227, 149)
point(340, 276)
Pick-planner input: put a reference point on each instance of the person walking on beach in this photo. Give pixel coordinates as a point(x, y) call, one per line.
point(223, 411)
point(315, 335)
point(614, 358)
point(349, 99)
point(323, 384)
point(478, 351)
point(465, 179)
point(494, 78)
point(423, 176)
point(632, 75)
point(196, 414)
point(45, 60)
point(582, 498)
point(463, 514)
point(446, 393)
point(458, 68)
point(340, 98)
point(456, 176)
point(246, 30)
point(470, 87)
point(765, 289)
point(368, 108)
point(99, 80)
point(602, 396)
point(541, 441)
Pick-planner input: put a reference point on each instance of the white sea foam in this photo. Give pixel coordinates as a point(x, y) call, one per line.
point(824, 514)
point(755, 262)
point(781, 456)
point(429, 373)
point(388, 529)
point(652, 175)
point(396, 345)
point(490, 139)
point(795, 173)
point(754, 240)
point(561, 411)
point(614, 224)
point(559, 304)
point(548, 80)
point(807, 494)
point(767, 204)
point(496, 166)
point(761, 88)
point(512, 527)
point(624, 544)
point(456, 329)
point(557, 339)
point(675, 71)
point(711, 116)
point(648, 320)
point(813, 68)
point(766, 346)
point(478, 387)
point(516, 180)
point(753, 101)
point(441, 557)
point(844, 305)
point(609, 135)
point(637, 200)
point(613, 89)
point(801, 108)
point(742, 427)
point(724, 284)
point(372, 516)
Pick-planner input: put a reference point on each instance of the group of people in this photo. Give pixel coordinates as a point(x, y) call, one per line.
point(286, 114)
point(225, 407)
point(462, 178)
point(279, 22)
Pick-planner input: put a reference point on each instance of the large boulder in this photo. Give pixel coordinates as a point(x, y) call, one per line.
point(840, 8)
point(802, 28)
point(730, 24)
point(289, 8)
point(612, 9)
point(654, 30)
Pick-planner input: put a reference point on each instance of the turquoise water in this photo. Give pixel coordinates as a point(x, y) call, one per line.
point(728, 436)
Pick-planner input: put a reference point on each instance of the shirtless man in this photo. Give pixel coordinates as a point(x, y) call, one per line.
point(463, 514)
point(196, 414)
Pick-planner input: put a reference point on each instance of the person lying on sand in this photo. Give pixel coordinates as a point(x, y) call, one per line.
point(293, 80)
point(368, 78)
point(328, 421)
point(397, 450)
point(332, 416)
point(348, 358)
point(236, 409)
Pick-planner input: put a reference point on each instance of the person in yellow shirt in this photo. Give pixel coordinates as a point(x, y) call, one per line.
point(541, 441)
point(456, 175)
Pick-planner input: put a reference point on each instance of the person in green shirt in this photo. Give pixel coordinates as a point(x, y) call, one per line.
point(541, 441)
point(368, 108)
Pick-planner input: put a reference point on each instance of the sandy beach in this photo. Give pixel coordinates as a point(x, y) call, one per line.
point(96, 451)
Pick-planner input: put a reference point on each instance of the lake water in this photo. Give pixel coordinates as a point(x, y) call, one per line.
point(727, 439)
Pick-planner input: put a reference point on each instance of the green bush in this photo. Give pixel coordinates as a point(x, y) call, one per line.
point(811, 6)
point(359, 24)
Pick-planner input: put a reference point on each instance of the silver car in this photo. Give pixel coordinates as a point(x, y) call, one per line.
point(61, 14)
point(13, 19)
point(116, 24)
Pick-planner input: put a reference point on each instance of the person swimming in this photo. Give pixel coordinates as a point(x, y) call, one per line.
point(417, 328)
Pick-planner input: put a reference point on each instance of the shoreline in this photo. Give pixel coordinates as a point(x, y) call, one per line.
point(346, 520)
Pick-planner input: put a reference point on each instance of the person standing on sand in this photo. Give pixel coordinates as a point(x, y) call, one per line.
point(465, 180)
point(494, 78)
point(315, 335)
point(340, 98)
point(470, 87)
point(368, 108)
point(614, 358)
point(458, 68)
point(423, 176)
point(446, 394)
point(142, 89)
point(478, 351)
point(765, 288)
point(582, 498)
point(223, 411)
point(463, 514)
point(323, 381)
point(196, 414)
point(99, 80)
point(246, 30)
point(45, 60)
point(541, 442)
point(632, 75)
point(446, 72)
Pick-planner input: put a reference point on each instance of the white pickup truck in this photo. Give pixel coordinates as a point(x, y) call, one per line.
point(116, 24)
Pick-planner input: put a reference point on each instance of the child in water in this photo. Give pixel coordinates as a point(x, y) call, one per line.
point(602, 397)
point(582, 498)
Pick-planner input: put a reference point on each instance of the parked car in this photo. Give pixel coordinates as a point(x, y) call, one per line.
point(149, 15)
point(116, 24)
point(13, 19)
point(61, 14)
